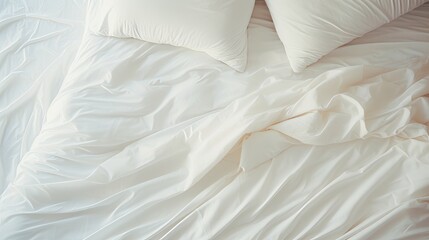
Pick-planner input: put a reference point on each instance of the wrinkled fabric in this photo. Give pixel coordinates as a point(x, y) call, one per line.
point(147, 141)
point(38, 41)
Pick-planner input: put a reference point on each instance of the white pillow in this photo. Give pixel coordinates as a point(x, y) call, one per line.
point(217, 27)
point(310, 29)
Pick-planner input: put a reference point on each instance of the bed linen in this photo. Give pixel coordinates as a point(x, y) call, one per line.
point(147, 141)
point(38, 41)
point(311, 29)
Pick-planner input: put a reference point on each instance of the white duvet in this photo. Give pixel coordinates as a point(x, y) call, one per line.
point(147, 141)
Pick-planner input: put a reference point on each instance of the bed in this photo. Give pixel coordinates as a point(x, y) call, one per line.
point(107, 138)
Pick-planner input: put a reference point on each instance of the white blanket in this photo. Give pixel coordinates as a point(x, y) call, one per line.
point(147, 141)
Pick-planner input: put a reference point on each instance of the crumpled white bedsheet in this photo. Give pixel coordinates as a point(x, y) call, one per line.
point(38, 41)
point(149, 141)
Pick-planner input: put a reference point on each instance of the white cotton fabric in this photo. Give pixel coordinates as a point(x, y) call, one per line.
point(216, 27)
point(151, 141)
point(38, 42)
point(313, 28)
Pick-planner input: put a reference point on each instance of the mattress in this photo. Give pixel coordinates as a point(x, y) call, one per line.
point(147, 141)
